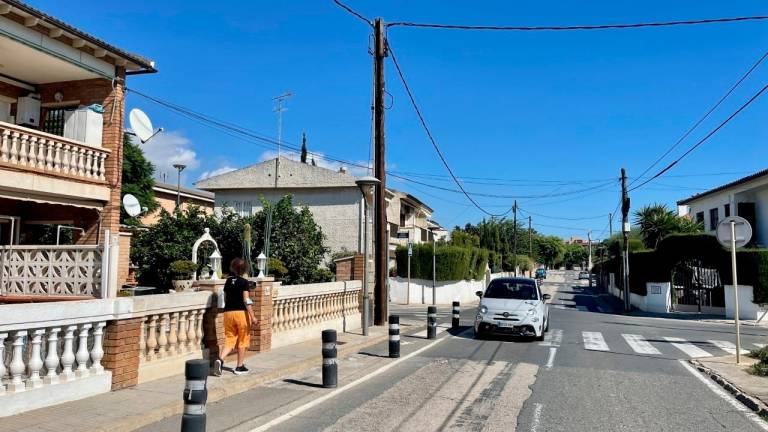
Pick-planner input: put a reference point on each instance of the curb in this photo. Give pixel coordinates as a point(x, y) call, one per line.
point(746, 399)
point(239, 386)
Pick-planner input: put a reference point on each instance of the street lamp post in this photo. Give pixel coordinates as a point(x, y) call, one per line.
point(179, 169)
point(434, 267)
point(367, 185)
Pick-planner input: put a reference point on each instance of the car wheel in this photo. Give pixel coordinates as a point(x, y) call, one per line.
point(478, 335)
point(540, 338)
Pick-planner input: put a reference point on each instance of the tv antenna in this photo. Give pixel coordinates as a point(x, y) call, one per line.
point(141, 126)
point(279, 108)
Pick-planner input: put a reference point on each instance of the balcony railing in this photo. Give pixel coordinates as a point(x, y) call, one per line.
point(30, 148)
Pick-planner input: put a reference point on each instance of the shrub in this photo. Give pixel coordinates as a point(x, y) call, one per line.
point(277, 268)
point(322, 274)
point(453, 262)
point(182, 269)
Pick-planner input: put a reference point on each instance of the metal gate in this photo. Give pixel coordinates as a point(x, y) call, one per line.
point(696, 287)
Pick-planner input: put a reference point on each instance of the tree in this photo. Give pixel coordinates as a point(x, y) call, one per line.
point(551, 249)
point(137, 178)
point(575, 254)
point(463, 238)
point(656, 221)
point(304, 148)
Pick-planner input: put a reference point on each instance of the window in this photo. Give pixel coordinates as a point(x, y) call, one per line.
point(726, 210)
point(513, 289)
point(713, 219)
point(423, 235)
point(700, 217)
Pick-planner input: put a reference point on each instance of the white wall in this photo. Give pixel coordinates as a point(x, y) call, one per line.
point(447, 291)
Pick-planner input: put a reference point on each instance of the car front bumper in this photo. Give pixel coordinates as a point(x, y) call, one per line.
point(525, 327)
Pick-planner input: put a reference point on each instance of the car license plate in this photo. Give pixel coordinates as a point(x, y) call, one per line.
point(505, 324)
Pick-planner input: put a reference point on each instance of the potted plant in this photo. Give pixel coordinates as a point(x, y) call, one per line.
point(182, 272)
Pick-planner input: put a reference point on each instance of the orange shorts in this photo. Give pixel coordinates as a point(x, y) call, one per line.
point(236, 329)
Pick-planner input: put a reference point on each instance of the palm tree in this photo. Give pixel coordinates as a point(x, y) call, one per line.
point(655, 221)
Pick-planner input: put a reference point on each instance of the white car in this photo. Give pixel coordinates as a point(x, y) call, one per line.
point(512, 306)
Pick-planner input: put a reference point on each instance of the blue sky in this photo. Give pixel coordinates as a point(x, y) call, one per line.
point(548, 112)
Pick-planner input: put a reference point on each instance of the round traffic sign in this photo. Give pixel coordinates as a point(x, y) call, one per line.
point(742, 228)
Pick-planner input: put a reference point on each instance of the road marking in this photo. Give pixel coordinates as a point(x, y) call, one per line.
point(423, 333)
point(725, 395)
point(727, 346)
point(759, 345)
point(298, 410)
point(690, 349)
point(536, 417)
point(582, 308)
point(551, 359)
point(640, 345)
point(553, 338)
point(594, 341)
point(559, 306)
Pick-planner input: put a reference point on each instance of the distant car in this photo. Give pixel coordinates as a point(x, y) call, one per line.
point(541, 273)
point(584, 275)
point(512, 306)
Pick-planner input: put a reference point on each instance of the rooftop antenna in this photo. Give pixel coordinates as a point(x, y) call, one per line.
point(279, 108)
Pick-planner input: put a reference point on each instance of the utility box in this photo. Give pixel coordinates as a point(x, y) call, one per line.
point(84, 125)
point(28, 111)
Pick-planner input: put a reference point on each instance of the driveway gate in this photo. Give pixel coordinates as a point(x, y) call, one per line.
point(696, 287)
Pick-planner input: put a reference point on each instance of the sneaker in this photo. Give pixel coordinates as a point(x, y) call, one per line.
point(241, 370)
point(217, 367)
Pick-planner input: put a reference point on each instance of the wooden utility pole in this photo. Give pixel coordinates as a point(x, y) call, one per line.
point(625, 232)
point(530, 245)
point(380, 296)
point(514, 239)
point(610, 225)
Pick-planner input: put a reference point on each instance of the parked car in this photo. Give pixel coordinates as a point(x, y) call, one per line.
point(541, 273)
point(512, 306)
point(584, 275)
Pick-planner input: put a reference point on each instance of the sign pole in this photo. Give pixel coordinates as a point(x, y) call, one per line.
point(735, 291)
point(408, 290)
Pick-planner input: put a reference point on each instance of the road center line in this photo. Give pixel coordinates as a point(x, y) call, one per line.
point(536, 416)
point(551, 359)
point(298, 410)
point(723, 394)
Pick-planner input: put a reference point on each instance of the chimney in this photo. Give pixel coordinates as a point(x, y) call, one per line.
point(343, 169)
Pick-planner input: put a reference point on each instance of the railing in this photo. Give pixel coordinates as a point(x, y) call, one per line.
point(297, 309)
point(50, 270)
point(30, 148)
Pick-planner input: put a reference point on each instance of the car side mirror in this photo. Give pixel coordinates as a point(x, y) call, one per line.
point(479, 294)
point(546, 297)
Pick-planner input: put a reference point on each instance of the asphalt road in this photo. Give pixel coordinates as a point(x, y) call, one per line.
point(596, 371)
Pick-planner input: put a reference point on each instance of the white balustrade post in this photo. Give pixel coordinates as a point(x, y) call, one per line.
point(16, 368)
point(162, 340)
point(3, 336)
point(152, 339)
point(52, 357)
point(35, 363)
point(143, 340)
point(97, 352)
point(82, 355)
point(68, 355)
point(199, 336)
point(173, 338)
point(183, 329)
point(191, 330)
point(57, 157)
point(5, 147)
point(14, 147)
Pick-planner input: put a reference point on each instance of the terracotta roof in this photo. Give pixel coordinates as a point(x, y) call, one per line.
point(740, 181)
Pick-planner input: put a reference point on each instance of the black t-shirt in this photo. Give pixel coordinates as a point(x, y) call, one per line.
point(233, 293)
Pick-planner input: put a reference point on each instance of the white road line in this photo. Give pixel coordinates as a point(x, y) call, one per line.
point(298, 410)
point(594, 341)
point(690, 349)
point(553, 338)
point(727, 346)
point(640, 345)
point(536, 417)
point(551, 359)
point(725, 395)
point(423, 333)
point(582, 308)
point(759, 345)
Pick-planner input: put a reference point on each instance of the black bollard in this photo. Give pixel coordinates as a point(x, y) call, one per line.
point(456, 315)
point(394, 336)
point(330, 368)
point(195, 395)
point(431, 322)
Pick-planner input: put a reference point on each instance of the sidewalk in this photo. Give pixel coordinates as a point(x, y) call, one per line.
point(129, 409)
point(751, 390)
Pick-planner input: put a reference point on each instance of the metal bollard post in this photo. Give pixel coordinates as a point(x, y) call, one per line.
point(394, 336)
point(432, 322)
point(330, 368)
point(195, 395)
point(456, 315)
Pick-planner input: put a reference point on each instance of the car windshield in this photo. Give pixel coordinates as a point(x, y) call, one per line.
point(513, 289)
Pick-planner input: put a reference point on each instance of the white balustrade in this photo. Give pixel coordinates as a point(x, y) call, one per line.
point(298, 306)
point(68, 356)
point(35, 362)
point(52, 359)
point(51, 270)
point(3, 337)
point(170, 335)
point(82, 355)
point(30, 148)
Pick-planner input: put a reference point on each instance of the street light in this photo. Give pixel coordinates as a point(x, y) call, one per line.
point(261, 262)
point(367, 185)
point(434, 267)
point(179, 169)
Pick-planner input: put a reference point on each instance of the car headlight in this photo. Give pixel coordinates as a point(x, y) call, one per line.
point(532, 312)
point(483, 310)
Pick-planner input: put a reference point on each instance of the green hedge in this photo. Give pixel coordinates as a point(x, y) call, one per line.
point(453, 262)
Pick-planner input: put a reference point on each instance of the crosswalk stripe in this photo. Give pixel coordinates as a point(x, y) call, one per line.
point(553, 338)
point(582, 308)
point(759, 345)
point(727, 346)
point(594, 341)
point(688, 348)
point(640, 345)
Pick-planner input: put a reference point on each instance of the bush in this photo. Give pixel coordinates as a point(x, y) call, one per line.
point(277, 268)
point(322, 274)
point(182, 269)
point(760, 368)
point(453, 262)
point(752, 265)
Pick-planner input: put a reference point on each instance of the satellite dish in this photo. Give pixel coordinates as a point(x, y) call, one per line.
point(141, 125)
point(131, 205)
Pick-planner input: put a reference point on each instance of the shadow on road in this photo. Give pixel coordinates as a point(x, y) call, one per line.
point(303, 383)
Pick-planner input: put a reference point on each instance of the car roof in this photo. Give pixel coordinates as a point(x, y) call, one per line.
point(515, 279)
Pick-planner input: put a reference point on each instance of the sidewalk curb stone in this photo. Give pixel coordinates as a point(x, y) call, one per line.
point(747, 400)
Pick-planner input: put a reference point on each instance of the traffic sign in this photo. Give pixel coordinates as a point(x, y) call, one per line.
point(410, 249)
point(742, 228)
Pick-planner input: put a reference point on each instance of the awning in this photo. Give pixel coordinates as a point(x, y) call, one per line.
point(45, 199)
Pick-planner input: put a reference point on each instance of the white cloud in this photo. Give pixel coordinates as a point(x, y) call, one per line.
point(167, 149)
point(218, 171)
point(358, 169)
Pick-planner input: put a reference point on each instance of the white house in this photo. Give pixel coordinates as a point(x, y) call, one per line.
point(746, 197)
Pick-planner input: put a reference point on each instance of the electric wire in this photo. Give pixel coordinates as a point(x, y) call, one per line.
point(559, 217)
point(353, 12)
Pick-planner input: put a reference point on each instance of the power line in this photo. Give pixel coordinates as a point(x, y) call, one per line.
point(705, 116)
point(559, 217)
point(577, 27)
point(703, 140)
point(352, 12)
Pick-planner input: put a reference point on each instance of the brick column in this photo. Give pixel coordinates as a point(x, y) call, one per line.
point(261, 335)
point(213, 328)
point(121, 352)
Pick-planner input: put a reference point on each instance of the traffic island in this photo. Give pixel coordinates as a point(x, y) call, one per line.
point(749, 389)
